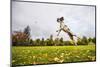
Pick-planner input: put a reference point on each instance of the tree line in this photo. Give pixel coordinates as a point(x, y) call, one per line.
point(23, 38)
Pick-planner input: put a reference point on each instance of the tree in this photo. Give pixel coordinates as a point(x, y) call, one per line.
point(31, 42)
point(56, 42)
point(89, 39)
point(61, 41)
point(79, 41)
point(42, 42)
point(82, 41)
point(47, 42)
point(94, 40)
point(37, 42)
point(27, 31)
point(19, 38)
point(51, 40)
point(67, 43)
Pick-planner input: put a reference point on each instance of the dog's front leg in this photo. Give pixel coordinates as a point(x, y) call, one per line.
point(59, 32)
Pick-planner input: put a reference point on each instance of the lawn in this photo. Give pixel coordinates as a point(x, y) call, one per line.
point(23, 55)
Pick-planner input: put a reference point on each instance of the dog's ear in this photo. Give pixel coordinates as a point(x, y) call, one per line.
point(58, 19)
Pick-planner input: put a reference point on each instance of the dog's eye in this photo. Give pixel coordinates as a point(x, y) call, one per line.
point(61, 19)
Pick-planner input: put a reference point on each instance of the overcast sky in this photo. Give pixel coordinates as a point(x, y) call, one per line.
point(42, 19)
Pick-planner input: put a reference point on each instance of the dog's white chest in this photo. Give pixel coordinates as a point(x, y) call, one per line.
point(62, 25)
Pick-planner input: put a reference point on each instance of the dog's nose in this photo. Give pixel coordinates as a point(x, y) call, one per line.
point(58, 19)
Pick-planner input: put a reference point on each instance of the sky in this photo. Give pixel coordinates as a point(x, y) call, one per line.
point(42, 19)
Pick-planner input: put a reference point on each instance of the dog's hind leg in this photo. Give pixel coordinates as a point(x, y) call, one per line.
point(73, 40)
point(75, 43)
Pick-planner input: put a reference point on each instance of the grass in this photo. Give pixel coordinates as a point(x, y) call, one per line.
point(22, 55)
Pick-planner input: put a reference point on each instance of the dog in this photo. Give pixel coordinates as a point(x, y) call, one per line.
point(65, 28)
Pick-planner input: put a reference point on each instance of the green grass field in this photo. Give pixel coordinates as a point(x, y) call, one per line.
point(23, 55)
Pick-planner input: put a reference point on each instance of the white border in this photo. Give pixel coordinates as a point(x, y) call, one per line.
point(5, 33)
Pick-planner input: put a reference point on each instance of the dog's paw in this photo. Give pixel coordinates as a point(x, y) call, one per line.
point(57, 31)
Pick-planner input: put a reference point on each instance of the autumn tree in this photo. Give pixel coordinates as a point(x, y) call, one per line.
point(19, 38)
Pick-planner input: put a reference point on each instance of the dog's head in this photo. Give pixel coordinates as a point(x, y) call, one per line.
point(60, 19)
